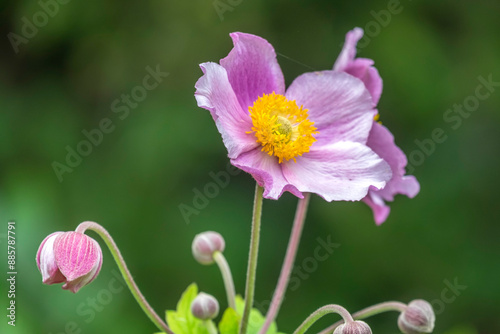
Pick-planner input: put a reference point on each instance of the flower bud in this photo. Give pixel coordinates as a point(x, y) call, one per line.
point(417, 318)
point(205, 306)
point(69, 257)
point(205, 244)
point(353, 327)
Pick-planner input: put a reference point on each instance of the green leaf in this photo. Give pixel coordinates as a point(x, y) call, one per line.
point(231, 320)
point(182, 321)
point(184, 304)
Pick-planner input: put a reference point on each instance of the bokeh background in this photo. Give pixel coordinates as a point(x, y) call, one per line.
point(62, 78)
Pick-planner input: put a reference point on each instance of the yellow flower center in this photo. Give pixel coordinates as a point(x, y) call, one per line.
point(281, 127)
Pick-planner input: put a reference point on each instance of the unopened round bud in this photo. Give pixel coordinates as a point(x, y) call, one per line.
point(353, 327)
point(205, 306)
point(205, 244)
point(417, 318)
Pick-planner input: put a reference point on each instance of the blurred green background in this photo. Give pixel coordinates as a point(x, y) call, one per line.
point(65, 77)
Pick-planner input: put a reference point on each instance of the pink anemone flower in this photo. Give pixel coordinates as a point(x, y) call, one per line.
point(380, 140)
point(310, 137)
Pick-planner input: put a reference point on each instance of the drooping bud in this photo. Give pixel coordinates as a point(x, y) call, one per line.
point(417, 318)
point(69, 257)
point(205, 244)
point(353, 327)
point(205, 306)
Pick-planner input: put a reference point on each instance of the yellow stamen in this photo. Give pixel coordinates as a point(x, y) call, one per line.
point(376, 118)
point(281, 127)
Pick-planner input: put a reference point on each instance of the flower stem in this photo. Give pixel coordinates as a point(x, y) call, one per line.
point(125, 273)
point(286, 269)
point(368, 312)
point(252, 258)
point(211, 327)
point(226, 277)
point(320, 313)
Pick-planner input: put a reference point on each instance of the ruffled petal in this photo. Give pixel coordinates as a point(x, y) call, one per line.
point(267, 172)
point(214, 93)
point(348, 52)
point(379, 208)
point(381, 141)
point(338, 103)
point(361, 68)
point(340, 171)
point(252, 68)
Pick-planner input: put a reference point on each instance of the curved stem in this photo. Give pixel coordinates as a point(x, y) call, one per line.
point(226, 277)
point(320, 313)
point(125, 273)
point(287, 267)
point(368, 312)
point(252, 258)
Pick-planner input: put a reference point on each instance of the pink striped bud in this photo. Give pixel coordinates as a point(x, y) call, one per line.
point(205, 306)
point(205, 244)
point(353, 327)
point(417, 318)
point(71, 258)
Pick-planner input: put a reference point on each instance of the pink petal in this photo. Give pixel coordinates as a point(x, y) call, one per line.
point(348, 52)
point(381, 141)
point(380, 209)
point(267, 172)
point(76, 255)
point(339, 105)
point(361, 68)
point(252, 68)
point(337, 172)
point(214, 93)
point(46, 262)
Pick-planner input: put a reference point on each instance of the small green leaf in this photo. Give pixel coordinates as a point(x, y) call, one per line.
point(255, 322)
point(230, 322)
point(184, 304)
point(177, 324)
point(182, 321)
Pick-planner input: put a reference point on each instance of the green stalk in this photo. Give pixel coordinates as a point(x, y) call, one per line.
point(368, 312)
point(322, 311)
point(226, 277)
point(252, 258)
point(134, 289)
